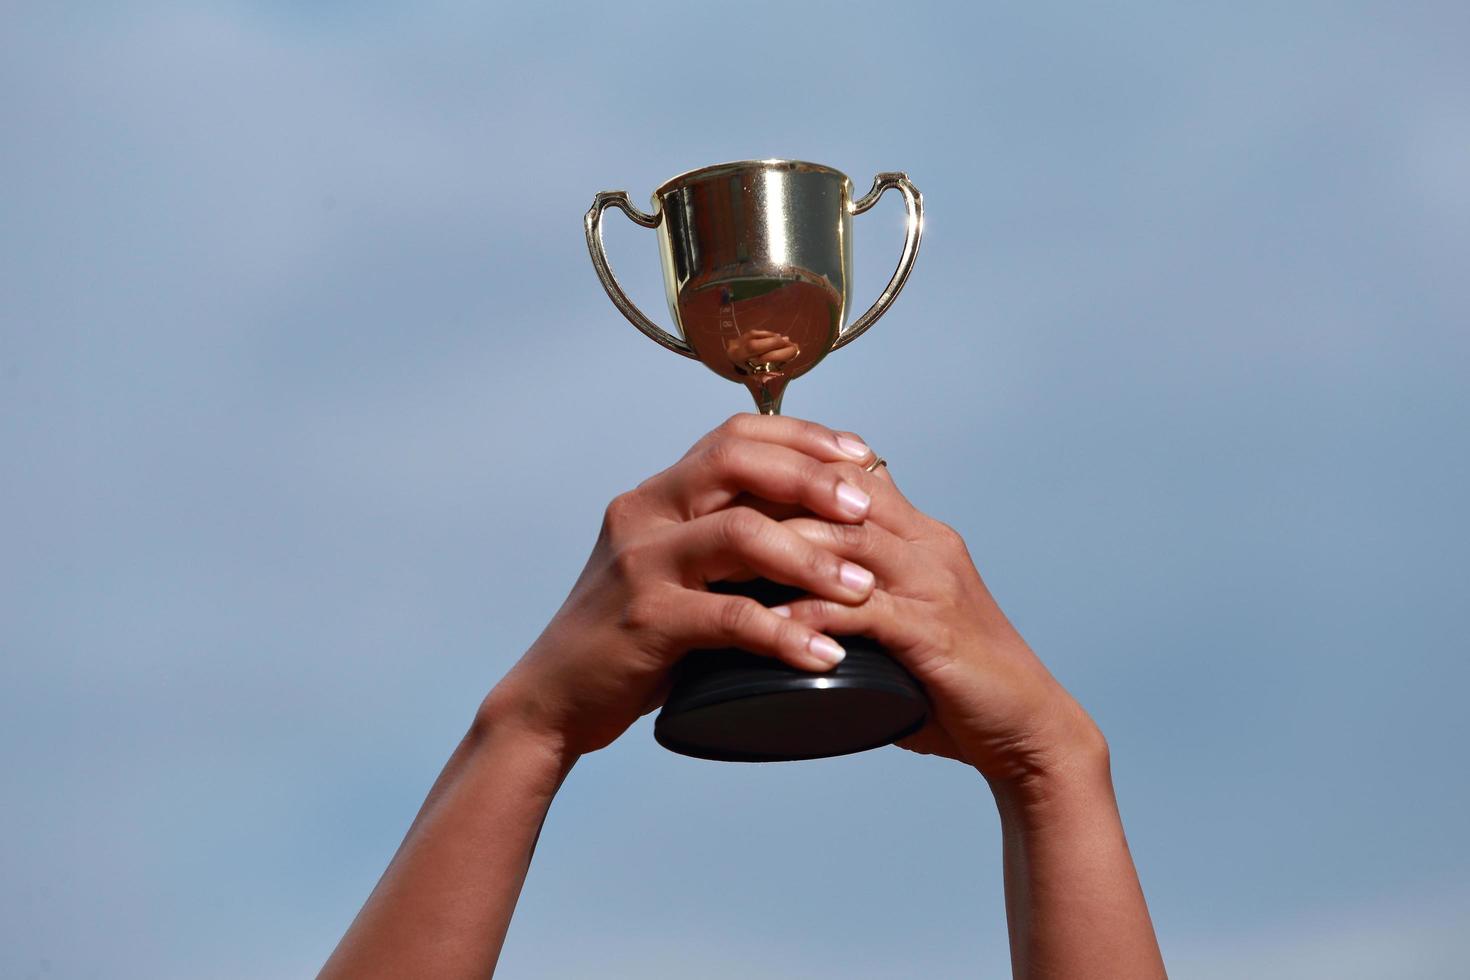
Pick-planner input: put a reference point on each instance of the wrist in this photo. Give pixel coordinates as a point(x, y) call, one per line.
point(1069, 765)
point(505, 722)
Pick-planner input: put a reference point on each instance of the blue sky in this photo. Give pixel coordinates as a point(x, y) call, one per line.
point(310, 403)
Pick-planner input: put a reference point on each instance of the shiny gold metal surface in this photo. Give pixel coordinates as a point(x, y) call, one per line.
point(757, 260)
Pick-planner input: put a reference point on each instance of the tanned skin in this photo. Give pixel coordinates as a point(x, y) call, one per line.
point(791, 501)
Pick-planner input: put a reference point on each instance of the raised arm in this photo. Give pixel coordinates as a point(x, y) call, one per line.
point(443, 906)
point(1073, 901)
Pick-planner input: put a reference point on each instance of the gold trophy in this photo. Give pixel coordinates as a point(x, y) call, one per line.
point(757, 260)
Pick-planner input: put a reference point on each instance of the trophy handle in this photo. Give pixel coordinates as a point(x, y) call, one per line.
point(913, 201)
point(593, 224)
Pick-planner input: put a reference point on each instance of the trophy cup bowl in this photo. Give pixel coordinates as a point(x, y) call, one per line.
point(757, 262)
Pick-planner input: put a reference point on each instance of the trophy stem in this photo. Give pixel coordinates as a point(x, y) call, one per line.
point(768, 395)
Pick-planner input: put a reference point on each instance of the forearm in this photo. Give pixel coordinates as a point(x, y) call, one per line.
point(443, 906)
point(1074, 905)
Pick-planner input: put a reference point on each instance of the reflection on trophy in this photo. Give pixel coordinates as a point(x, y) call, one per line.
point(757, 260)
point(761, 351)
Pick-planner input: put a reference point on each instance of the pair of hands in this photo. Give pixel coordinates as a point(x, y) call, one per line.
point(791, 501)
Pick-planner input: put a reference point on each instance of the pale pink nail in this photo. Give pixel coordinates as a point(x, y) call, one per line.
point(783, 611)
point(856, 577)
point(855, 448)
point(826, 649)
point(851, 500)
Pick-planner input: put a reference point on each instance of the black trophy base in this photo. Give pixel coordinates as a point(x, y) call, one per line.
point(733, 706)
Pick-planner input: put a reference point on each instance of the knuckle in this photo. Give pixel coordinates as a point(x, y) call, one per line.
point(643, 613)
point(722, 455)
point(739, 425)
point(819, 563)
point(631, 560)
point(618, 508)
point(853, 539)
point(811, 609)
point(790, 636)
point(817, 613)
point(741, 525)
point(808, 428)
point(737, 614)
point(618, 516)
point(946, 535)
point(817, 474)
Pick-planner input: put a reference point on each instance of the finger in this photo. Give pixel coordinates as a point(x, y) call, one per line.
point(886, 618)
point(711, 480)
point(889, 508)
point(738, 541)
point(884, 472)
point(869, 545)
point(812, 438)
point(763, 481)
point(759, 345)
point(777, 512)
point(776, 355)
point(704, 620)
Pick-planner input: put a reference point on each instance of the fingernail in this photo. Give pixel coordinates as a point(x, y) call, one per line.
point(856, 577)
point(851, 500)
point(855, 448)
point(783, 611)
point(826, 649)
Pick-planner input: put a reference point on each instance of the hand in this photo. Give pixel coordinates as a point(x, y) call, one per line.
point(995, 705)
point(761, 350)
point(641, 602)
